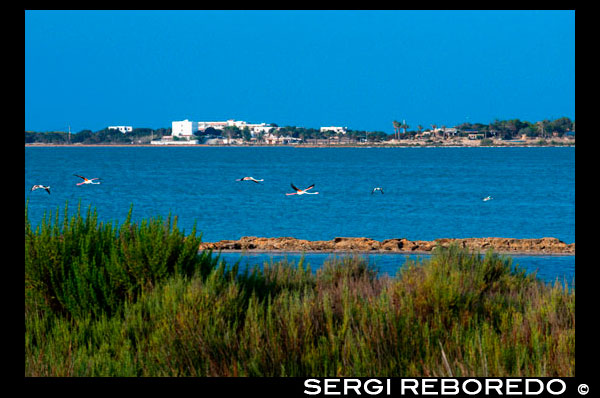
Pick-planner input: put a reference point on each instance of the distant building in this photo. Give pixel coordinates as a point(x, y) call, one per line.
point(271, 139)
point(122, 129)
point(451, 131)
point(335, 129)
point(260, 128)
point(446, 131)
point(253, 127)
point(184, 128)
point(475, 136)
point(215, 125)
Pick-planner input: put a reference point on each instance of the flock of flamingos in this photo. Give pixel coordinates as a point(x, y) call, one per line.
point(299, 191)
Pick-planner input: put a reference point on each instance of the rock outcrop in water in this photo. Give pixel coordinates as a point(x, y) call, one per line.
point(402, 245)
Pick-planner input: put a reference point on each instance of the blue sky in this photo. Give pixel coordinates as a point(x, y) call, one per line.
point(361, 69)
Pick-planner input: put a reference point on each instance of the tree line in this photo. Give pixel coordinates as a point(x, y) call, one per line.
point(303, 133)
point(104, 136)
point(499, 129)
point(508, 129)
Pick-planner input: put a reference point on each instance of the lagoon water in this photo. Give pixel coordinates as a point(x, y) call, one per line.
point(430, 193)
point(549, 268)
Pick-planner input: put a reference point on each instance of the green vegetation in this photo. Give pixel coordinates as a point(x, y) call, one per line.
point(515, 128)
point(104, 136)
point(139, 300)
point(499, 129)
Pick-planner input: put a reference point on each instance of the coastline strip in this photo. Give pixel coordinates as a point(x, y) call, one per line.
point(541, 246)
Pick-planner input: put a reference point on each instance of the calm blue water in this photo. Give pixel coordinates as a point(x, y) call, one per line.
point(547, 268)
point(429, 192)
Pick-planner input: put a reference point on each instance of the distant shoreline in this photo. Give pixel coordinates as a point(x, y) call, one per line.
point(374, 145)
point(253, 244)
point(388, 252)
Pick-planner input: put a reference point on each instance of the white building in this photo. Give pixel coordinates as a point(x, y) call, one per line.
point(253, 127)
point(335, 129)
point(260, 128)
point(122, 129)
point(184, 128)
point(215, 125)
point(450, 131)
point(220, 125)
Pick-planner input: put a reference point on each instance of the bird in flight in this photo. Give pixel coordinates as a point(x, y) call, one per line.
point(376, 189)
point(33, 188)
point(487, 198)
point(87, 180)
point(250, 179)
point(302, 191)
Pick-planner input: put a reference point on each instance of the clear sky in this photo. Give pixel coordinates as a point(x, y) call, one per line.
point(361, 69)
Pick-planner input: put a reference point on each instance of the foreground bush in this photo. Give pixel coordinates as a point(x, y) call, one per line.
point(78, 266)
point(459, 313)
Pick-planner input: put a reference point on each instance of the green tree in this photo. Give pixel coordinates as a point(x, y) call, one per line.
point(512, 127)
point(396, 129)
point(542, 127)
point(561, 125)
point(260, 136)
point(404, 126)
point(232, 132)
point(246, 134)
point(84, 136)
point(30, 137)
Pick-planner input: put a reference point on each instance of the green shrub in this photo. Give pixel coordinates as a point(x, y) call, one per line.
point(80, 266)
point(125, 312)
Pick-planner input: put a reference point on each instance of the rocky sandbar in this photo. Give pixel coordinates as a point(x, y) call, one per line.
point(398, 245)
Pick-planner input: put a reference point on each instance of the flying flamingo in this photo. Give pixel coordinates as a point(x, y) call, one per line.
point(250, 179)
point(302, 191)
point(87, 180)
point(33, 188)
